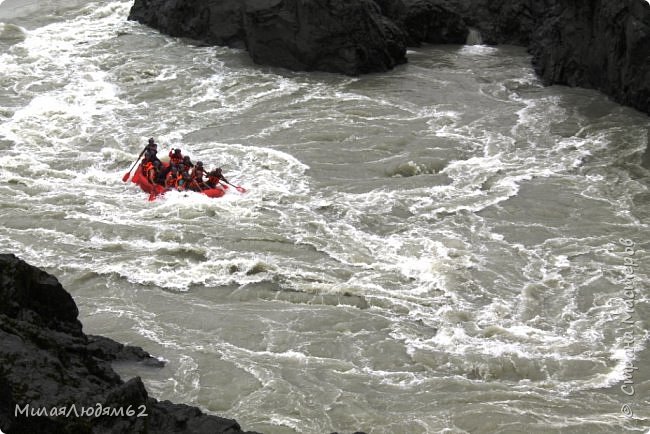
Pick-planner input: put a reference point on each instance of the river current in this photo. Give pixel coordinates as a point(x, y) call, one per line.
point(446, 247)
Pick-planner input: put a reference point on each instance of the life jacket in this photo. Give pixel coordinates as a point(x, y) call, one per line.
point(213, 180)
point(183, 182)
point(175, 159)
point(145, 166)
point(172, 179)
point(150, 172)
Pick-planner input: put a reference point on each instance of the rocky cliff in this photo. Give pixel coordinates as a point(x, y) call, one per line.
point(52, 374)
point(216, 22)
point(345, 36)
point(428, 21)
point(597, 44)
point(349, 37)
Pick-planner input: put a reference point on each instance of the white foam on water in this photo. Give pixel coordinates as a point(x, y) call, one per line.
point(478, 50)
point(422, 257)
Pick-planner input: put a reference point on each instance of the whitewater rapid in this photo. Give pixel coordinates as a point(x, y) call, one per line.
point(434, 248)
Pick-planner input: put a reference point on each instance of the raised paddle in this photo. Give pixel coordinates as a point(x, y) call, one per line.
point(127, 175)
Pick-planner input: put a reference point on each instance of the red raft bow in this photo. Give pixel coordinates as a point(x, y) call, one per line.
point(156, 190)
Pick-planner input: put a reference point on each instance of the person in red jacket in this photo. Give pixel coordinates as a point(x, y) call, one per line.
point(175, 157)
point(171, 181)
point(152, 170)
point(147, 167)
point(215, 176)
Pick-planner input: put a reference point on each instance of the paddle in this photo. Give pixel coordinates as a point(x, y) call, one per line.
point(127, 175)
point(237, 187)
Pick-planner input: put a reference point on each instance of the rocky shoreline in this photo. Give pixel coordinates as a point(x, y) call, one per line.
point(597, 45)
point(56, 379)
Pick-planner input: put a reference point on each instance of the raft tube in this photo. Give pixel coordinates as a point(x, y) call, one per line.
point(156, 190)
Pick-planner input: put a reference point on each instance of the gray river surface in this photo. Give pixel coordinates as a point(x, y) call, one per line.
point(448, 247)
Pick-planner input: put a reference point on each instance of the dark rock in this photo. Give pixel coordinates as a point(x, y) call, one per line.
point(434, 24)
point(350, 37)
point(107, 349)
point(500, 21)
point(216, 22)
point(48, 363)
point(598, 45)
point(427, 21)
point(31, 294)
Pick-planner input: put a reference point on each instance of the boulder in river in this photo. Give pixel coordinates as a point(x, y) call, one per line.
point(343, 36)
point(350, 37)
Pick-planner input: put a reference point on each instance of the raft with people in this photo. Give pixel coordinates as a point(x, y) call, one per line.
point(156, 177)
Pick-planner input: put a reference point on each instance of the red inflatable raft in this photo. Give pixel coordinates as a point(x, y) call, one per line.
point(156, 190)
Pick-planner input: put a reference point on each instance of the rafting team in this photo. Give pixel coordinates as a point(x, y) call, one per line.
point(181, 174)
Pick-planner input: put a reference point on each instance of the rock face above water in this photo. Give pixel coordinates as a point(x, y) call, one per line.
point(599, 45)
point(350, 37)
point(214, 22)
point(47, 362)
point(345, 36)
point(428, 21)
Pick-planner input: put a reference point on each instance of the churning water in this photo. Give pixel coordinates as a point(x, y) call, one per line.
point(440, 248)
